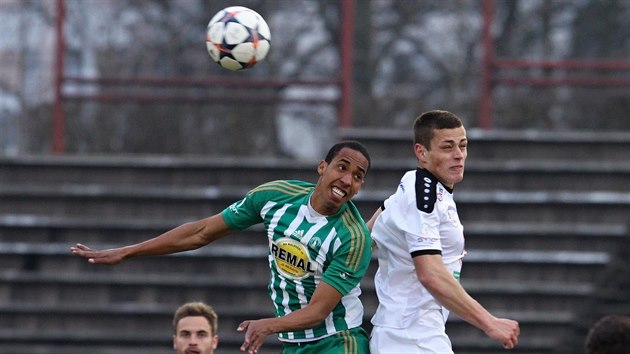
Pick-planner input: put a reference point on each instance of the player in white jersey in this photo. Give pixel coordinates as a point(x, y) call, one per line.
point(319, 249)
point(420, 246)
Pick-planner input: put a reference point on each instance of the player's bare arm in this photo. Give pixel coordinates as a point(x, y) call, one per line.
point(445, 288)
point(324, 300)
point(370, 223)
point(186, 237)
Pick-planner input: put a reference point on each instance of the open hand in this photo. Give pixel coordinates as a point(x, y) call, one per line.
point(255, 334)
point(111, 256)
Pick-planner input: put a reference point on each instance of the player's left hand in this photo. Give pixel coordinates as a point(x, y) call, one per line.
point(255, 333)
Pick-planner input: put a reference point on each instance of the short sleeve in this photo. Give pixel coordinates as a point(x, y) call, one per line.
point(350, 260)
point(243, 213)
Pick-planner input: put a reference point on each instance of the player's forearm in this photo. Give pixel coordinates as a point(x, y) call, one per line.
point(454, 297)
point(298, 320)
point(186, 237)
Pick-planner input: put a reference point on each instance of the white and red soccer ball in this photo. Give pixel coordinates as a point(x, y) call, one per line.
point(237, 38)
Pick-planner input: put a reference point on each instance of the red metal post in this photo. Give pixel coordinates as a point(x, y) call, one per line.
point(485, 105)
point(346, 48)
point(58, 113)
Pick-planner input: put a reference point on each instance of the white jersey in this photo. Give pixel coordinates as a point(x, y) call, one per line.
point(420, 218)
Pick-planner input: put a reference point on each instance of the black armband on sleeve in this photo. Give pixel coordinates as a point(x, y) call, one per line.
point(425, 252)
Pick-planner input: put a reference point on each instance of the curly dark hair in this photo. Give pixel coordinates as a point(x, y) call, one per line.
point(609, 335)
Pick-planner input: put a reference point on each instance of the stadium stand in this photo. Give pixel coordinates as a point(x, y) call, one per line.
point(545, 219)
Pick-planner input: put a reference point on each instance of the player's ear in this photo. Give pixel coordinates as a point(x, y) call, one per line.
point(321, 167)
point(420, 152)
point(215, 342)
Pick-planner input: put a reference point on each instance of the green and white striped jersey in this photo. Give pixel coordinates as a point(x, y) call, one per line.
point(305, 248)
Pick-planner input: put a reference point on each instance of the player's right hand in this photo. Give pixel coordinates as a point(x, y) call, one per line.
point(505, 331)
point(111, 256)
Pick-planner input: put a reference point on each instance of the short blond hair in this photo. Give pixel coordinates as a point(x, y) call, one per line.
point(196, 308)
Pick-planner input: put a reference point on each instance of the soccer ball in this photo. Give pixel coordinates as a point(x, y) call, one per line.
point(237, 38)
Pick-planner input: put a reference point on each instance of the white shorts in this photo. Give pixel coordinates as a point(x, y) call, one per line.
point(426, 336)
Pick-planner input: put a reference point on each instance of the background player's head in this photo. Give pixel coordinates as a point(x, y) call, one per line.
point(195, 327)
point(440, 145)
point(609, 335)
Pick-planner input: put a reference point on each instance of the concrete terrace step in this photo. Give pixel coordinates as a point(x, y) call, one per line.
point(557, 266)
point(234, 260)
point(246, 251)
point(504, 144)
point(111, 329)
point(72, 229)
point(166, 173)
point(94, 324)
point(546, 175)
point(545, 236)
point(90, 318)
point(101, 289)
point(562, 206)
point(540, 332)
point(189, 203)
point(215, 261)
point(120, 170)
point(22, 287)
point(488, 235)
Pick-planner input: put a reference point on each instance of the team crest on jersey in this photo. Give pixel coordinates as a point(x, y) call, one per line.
point(315, 243)
point(452, 216)
point(440, 194)
point(292, 258)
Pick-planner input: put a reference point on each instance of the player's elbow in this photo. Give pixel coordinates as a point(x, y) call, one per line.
point(430, 280)
point(316, 315)
point(311, 321)
point(319, 316)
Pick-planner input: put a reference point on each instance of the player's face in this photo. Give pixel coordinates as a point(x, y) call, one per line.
point(446, 158)
point(339, 180)
point(194, 336)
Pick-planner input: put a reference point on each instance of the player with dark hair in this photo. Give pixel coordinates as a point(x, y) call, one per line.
point(319, 249)
point(609, 335)
point(420, 246)
point(195, 326)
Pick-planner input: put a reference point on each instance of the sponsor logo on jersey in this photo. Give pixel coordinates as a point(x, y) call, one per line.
point(234, 207)
point(292, 258)
point(298, 234)
point(429, 237)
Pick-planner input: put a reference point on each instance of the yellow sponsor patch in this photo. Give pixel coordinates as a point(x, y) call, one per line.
point(292, 258)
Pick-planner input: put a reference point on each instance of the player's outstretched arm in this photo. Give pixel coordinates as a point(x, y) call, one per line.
point(185, 237)
point(446, 289)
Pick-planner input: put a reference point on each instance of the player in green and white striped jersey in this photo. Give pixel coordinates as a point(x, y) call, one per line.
point(319, 249)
